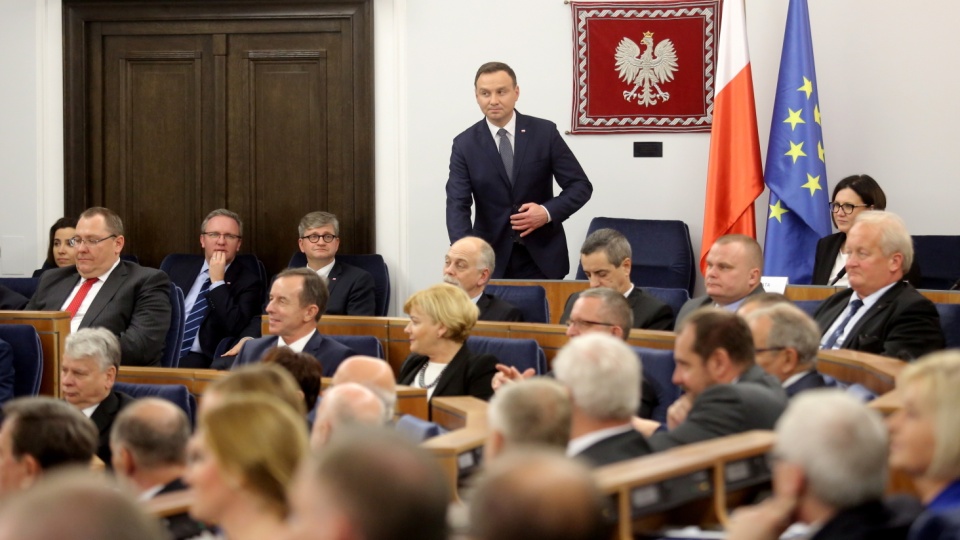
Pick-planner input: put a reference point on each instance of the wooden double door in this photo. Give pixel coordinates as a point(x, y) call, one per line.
point(177, 108)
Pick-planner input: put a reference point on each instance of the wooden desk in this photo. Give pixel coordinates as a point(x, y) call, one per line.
point(878, 373)
point(53, 328)
point(457, 412)
point(410, 400)
point(196, 380)
point(461, 449)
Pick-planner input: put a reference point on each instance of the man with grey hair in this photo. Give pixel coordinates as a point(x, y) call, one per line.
point(351, 288)
point(38, 435)
point(829, 471)
point(91, 360)
point(469, 263)
point(605, 258)
point(603, 375)
point(533, 413)
point(880, 313)
point(787, 341)
point(343, 406)
point(373, 373)
point(221, 297)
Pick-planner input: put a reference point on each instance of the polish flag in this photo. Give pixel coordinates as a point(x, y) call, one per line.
point(734, 176)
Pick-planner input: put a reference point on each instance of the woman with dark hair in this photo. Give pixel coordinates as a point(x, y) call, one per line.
point(852, 195)
point(59, 251)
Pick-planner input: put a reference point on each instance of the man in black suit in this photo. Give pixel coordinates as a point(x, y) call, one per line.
point(603, 376)
point(725, 391)
point(91, 360)
point(734, 267)
point(880, 313)
point(149, 445)
point(829, 471)
point(605, 257)
point(351, 288)
point(220, 297)
point(787, 341)
point(469, 263)
point(298, 298)
point(131, 301)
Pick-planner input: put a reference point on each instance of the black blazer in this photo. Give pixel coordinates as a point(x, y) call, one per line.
point(351, 291)
point(494, 309)
point(902, 324)
point(809, 381)
point(467, 375)
point(103, 418)
point(648, 312)
point(624, 446)
point(229, 306)
point(828, 248)
point(873, 520)
point(180, 526)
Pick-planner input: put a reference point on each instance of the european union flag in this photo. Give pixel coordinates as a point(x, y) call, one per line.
point(796, 171)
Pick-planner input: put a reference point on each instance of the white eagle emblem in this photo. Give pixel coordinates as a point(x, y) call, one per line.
point(645, 69)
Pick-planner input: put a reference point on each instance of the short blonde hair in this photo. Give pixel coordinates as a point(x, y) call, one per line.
point(260, 440)
point(448, 305)
point(270, 379)
point(937, 376)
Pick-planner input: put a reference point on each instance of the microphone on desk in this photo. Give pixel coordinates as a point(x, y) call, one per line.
point(840, 274)
point(955, 286)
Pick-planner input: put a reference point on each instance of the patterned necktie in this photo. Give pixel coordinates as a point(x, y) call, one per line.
point(81, 294)
point(506, 153)
point(192, 327)
point(854, 307)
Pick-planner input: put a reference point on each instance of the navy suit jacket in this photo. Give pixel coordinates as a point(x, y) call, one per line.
point(810, 380)
point(7, 373)
point(229, 306)
point(902, 324)
point(328, 352)
point(477, 175)
point(351, 291)
point(134, 304)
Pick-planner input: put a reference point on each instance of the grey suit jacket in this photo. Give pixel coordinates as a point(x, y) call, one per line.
point(695, 303)
point(134, 304)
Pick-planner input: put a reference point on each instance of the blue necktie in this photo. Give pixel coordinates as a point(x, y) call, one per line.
point(506, 153)
point(854, 307)
point(192, 327)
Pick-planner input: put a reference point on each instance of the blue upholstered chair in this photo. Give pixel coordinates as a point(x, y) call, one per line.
point(950, 323)
point(177, 394)
point(531, 300)
point(519, 353)
point(371, 263)
point(662, 252)
point(174, 338)
point(27, 357)
point(939, 260)
point(21, 285)
point(808, 306)
point(365, 345)
point(658, 371)
point(675, 298)
point(417, 430)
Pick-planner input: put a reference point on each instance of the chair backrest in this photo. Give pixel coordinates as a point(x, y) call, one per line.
point(662, 252)
point(177, 394)
point(174, 338)
point(374, 264)
point(939, 260)
point(365, 345)
point(519, 353)
point(657, 369)
point(130, 258)
point(176, 259)
point(950, 323)
point(21, 285)
point(675, 298)
point(27, 357)
point(808, 306)
point(531, 300)
point(417, 430)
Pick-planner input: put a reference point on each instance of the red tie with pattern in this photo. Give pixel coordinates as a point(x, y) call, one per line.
point(81, 294)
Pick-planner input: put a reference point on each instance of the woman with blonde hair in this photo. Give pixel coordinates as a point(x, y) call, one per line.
point(240, 461)
point(441, 318)
point(270, 379)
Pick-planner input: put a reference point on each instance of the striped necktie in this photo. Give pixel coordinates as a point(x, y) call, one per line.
point(192, 327)
point(854, 307)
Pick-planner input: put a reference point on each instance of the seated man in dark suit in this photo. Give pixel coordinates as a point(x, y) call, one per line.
point(298, 298)
point(605, 257)
point(603, 376)
point(725, 391)
point(104, 291)
point(829, 471)
point(40, 434)
point(787, 341)
point(220, 298)
point(896, 320)
point(734, 267)
point(469, 264)
point(149, 444)
point(91, 360)
point(351, 288)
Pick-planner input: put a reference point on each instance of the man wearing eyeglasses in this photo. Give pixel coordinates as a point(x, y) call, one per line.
point(351, 288)
point(220, 297)
point(786, 341)
point(102, 290)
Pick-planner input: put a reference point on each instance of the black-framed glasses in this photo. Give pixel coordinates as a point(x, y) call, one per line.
point(314, 238)
point(769, 349)
point(847, 208)
point(582, 324)
point(76, 241)
point(217, 236)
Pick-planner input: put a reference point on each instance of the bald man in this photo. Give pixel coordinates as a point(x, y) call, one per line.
point(343, 406)
point(734, 267)
point(469, 263)
point(373, 373)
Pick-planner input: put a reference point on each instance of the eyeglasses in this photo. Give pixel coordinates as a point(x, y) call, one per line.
point(90, 242)
point(770, 349)
point(314, 238)
point(582, 324)
point(846, 207)
point(216, 236)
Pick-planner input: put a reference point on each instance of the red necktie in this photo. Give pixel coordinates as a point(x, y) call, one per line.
point(81, 294)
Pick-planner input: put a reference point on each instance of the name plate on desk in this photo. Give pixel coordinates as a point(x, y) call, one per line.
point(777, 284)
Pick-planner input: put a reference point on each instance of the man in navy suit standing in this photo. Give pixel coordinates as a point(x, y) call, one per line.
point(506, 164)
